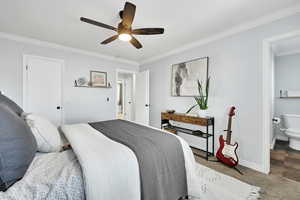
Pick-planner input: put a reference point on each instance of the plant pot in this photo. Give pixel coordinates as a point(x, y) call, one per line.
point(202, 113)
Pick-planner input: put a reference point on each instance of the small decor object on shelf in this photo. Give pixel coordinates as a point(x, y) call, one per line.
point(202, 99)
point(170, 111)
point(98, 79)
point(189, 198)
point(81, 82)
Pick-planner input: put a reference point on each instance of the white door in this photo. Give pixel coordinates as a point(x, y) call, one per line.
point(142, 98)
point(43, 88)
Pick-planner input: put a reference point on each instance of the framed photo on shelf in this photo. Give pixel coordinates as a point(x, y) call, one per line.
point(98, 79)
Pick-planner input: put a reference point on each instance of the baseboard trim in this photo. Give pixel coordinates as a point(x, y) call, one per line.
point(282, 138)
point(273, 143)
point(252, 165)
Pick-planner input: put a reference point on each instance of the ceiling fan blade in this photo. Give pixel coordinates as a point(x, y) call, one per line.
point(128, 14)
point(148, 31)
point(90, 21)
point(110, 39)
point(136, 43)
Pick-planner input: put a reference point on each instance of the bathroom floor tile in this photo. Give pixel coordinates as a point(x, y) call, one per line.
point(294, 155)
point(278, 155)
point(277, 162)
point(277, 170)
point(292, 174)
point(285, 162)
point(292, 163)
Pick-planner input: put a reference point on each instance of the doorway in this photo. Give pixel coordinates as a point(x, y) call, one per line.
point(42, 87)
point(285, 152)
point(132, 102)
point(273, 126)
point(125, 95)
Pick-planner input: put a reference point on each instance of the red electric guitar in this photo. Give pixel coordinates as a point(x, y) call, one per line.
point(227, 152)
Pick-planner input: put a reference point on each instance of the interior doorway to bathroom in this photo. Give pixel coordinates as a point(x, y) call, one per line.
point(281, 106)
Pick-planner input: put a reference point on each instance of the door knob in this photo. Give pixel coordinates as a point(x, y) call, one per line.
point(58, 107)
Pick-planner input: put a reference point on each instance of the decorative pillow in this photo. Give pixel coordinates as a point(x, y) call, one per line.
point(46, 134)
point(12, 105)
point(17, 147)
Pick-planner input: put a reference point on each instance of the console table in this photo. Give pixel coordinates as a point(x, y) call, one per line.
point(208, 122)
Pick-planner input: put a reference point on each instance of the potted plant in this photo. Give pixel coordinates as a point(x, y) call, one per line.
point(202, 99)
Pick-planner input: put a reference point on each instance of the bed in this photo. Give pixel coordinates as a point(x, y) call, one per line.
point(119, 159)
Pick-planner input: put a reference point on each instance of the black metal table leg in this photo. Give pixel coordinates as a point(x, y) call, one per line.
point(213, 136)
point(207, 138)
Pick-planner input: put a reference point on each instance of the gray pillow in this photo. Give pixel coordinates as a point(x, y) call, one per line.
point(17, 147)
point(12, 105)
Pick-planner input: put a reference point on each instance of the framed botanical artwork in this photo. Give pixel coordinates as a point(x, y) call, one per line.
point(185, 76)
point(98, 79)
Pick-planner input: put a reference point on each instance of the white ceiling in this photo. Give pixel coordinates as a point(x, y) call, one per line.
point(287, 46)
point(57, 21)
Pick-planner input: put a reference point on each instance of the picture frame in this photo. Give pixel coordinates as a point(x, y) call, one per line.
point(184, 77)
point(98, 79)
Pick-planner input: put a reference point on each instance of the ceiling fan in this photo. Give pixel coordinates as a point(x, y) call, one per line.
point(124, 30)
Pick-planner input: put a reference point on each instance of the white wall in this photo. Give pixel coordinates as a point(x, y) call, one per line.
point(287, 77)
point(80, 104)
point(236, 73)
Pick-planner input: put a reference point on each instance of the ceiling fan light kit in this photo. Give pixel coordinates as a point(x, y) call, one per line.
point(125, 37)
point(124, 30)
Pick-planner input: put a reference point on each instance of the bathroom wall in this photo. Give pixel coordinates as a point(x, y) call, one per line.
point(287, 72)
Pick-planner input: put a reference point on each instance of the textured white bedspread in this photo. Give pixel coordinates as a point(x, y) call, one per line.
point(53, 176)
point(113, 167)
point(109, 171)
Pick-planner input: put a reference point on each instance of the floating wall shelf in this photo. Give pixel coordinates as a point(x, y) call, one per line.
point(289, 97)
point(91, 87)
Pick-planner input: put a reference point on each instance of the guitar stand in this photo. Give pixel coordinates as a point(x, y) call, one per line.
point(236, 169)
point(239, 171)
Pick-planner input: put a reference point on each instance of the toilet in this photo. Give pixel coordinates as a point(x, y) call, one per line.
point(292, 130)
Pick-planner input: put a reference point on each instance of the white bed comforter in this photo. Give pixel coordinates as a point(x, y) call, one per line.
point(112, 166)
point(111, 170)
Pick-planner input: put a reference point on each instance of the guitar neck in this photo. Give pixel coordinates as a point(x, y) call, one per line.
point(228, 137)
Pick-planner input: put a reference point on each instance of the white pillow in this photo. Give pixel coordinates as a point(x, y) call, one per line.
point(46, 134)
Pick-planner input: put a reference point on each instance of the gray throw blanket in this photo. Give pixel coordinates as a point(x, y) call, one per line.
point(160, 157)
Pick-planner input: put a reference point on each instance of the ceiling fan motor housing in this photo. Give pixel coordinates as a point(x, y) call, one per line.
point(123, 29)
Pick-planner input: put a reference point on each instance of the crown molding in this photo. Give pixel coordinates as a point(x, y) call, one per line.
point(237, 29)
point(40, 43)
point(287, 53)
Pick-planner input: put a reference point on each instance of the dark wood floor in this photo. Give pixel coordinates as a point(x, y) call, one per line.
point(285, 161)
